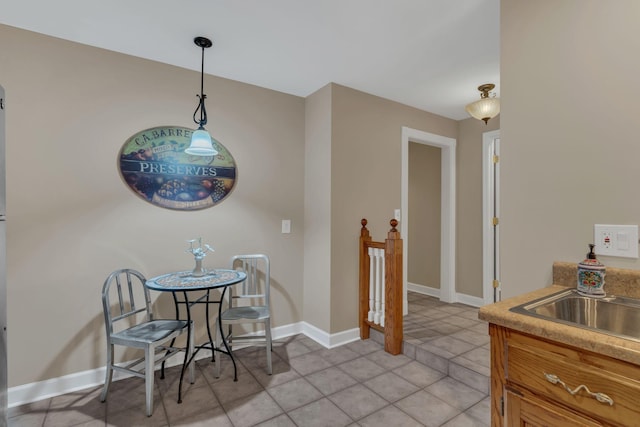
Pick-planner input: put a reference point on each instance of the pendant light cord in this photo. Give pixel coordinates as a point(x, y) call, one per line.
point(202, 96)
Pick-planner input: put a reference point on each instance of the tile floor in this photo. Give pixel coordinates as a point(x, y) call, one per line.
point(441, 380)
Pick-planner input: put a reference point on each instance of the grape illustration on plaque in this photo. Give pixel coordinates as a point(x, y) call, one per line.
point(155, 167)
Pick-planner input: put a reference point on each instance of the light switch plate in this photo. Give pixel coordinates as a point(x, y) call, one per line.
point(286, 226)
point(616, 240)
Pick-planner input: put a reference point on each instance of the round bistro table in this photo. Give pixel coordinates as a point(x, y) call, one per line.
point(181, 284)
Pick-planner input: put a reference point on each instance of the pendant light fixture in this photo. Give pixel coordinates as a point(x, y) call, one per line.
point(201, 141)
point(486, 107)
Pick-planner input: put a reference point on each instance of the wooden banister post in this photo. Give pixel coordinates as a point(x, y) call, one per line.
point(393, 293)
point(364, 280)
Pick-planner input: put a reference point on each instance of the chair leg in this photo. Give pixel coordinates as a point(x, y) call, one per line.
point(192, 368)
point(108, 374)
point(267, 335)
point(216, 372)
point(149, 362)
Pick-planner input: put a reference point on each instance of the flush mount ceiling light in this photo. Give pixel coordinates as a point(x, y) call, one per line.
point(201, 141)
point(487, 107)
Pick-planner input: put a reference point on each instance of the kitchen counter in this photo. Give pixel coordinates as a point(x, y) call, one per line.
point(624, 282)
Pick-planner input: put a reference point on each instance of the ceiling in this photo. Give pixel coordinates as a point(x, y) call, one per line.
point(429, 54)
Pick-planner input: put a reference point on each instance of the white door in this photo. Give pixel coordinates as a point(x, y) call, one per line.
point(491, 216)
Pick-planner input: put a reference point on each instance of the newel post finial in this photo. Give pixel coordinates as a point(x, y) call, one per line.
point(394, 224)
point(364, 233)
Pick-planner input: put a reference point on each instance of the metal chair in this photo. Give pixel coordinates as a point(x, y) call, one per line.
point(129, 322)
point(249, 305)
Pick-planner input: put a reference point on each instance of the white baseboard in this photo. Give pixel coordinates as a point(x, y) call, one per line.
point(33, 392)
point(435, 292)
point(424, 290)
point(469, 300)
point(330, 340)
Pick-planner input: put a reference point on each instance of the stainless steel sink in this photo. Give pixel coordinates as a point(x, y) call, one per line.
point(618, 316)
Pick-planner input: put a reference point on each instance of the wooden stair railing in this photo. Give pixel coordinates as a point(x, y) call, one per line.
point(390, 311)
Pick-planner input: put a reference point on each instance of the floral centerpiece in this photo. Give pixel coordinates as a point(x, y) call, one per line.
point(198, 252)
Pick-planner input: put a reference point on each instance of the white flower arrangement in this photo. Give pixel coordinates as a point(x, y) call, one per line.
point(199, 251)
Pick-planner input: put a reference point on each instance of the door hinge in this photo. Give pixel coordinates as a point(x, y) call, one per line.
point(496, 283)
point(495, 220)
point(496, 158)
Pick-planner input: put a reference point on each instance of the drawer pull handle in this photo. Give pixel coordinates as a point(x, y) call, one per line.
point(600, 397)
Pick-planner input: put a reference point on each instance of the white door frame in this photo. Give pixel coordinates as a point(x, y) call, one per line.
point(447, 209)
point(489, 247)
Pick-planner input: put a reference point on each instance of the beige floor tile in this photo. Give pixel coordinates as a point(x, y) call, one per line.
point(391, 386)
point(279, 421)
point(251, 410)
point(321, 413)
point(330, 380)
point(215, 417)
point(419, 374)
point(358, 401)
point(32, 419)
point(281, 372)
point(137, 417)
point(389, 416)
point(226, 389)
point(359, 381)
point(455, 393)
point(194, 400)
point(293, 394)
point(388, 361)
point(427, 409)
point(362, 368)
point(309, 363)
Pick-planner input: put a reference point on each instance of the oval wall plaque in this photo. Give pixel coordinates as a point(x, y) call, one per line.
point(155, 167)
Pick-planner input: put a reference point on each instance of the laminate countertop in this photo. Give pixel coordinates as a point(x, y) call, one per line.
point(593, 341)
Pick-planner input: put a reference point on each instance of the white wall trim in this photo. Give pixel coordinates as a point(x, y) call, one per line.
point(424, 290)
point(470, 300)
point(435, 292)
point(33, 392)
point(330, 340)
point(447, 205)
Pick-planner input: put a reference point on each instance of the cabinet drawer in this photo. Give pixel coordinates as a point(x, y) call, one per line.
point(528, 364)
point(530, 412)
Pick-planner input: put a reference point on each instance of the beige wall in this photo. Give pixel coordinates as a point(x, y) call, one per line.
point(365, 174)
point(469, 204)
point(71, 220)
point(317, 209)
point(423, 240)
point(570, 131)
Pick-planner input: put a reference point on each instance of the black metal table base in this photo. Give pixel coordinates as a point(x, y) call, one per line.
point(204, 299)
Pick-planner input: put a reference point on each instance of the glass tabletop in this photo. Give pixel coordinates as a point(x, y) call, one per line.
point(185, 281)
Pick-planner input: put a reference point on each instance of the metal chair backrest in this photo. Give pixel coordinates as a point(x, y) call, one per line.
point(124, 304)
point(256, 285)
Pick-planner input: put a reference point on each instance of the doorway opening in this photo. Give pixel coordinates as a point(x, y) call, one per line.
point(446, 293)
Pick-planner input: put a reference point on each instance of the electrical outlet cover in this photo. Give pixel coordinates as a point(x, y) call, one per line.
point(616, 240)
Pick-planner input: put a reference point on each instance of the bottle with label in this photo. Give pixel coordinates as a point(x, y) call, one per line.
point(591, 275)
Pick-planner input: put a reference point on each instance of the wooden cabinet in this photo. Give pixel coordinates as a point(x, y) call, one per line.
point(536, 382)
point(533, 412)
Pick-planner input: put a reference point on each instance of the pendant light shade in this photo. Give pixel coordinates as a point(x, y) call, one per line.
point(486, 107)
point(201, 141)
point(201, 144)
